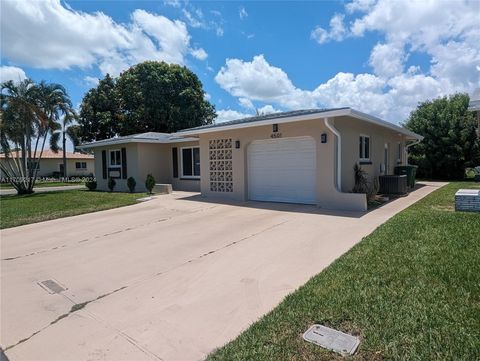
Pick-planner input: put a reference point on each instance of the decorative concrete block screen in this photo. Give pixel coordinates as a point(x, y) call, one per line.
point(467, 200)
point(220, 156)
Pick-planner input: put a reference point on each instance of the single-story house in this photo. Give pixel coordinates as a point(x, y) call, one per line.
point(51, 164)
point(304, 156)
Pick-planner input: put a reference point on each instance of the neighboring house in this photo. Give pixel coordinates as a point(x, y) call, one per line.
point(304, 156)
point(51, 164)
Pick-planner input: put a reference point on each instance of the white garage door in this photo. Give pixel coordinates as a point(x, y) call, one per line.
point(282, 170)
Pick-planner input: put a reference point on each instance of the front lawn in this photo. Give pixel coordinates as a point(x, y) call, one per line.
point(410, 290)
point(18, 210)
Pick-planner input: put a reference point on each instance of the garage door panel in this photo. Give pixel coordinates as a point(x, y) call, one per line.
point(282, 170)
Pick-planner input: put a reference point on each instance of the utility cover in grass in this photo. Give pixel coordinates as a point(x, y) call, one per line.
point(331, 339)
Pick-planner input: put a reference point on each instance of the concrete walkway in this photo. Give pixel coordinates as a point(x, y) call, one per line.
point(4, 192)
point(169, 279)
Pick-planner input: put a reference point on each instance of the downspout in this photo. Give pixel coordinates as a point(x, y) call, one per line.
point(339, 151)
point(408, 146)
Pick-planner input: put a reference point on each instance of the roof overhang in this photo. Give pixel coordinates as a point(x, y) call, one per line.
point(321, 115)
point(118, 141)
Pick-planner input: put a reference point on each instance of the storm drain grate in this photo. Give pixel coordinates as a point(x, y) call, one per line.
point(51, 286)
point(331, 339)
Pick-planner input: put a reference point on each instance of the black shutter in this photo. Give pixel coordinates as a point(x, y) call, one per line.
point(124, 163)
point(104, 164)
point(175, 162)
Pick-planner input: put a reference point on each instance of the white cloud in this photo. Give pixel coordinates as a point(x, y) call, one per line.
point(199, 53)
point(224, 115)
point(446, 32)
point(173, 3)
point(246, 103)
point(387, 59)
point(243, 13)
point(359, 5)
point(195, 19)
point(268, 109)
point(257, 80)
point(91, 81)
point(11, 73)
point(63, 38)
point(391, 98)
point(337, 30)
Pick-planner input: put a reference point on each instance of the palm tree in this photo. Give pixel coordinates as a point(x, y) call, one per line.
point(70, 131)
point(56, 104)
point(29, 113)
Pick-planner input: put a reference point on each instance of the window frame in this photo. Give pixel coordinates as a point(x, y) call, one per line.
point(399, 153)
point(110, 158)
point(182, 173)
point(361, 155)
point(81, 165)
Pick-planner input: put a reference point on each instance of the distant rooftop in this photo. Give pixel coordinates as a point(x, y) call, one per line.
point(474, 105)
point(49, 154)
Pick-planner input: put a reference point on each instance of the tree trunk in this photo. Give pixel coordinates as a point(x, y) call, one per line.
point(64, 140)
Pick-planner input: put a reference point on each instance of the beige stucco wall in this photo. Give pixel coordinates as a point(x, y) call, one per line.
point(351, 129)
point(48, 166)
point(145, 158)
point(327, 195)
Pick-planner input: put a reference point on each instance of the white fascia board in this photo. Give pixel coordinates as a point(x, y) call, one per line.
point(329, 114)
point(297, 118)
point(371, 119)
point(133, 140)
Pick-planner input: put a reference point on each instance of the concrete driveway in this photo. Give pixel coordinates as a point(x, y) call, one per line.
point(169, 279)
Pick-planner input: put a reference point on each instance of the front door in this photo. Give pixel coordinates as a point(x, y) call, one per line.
point(62, 174)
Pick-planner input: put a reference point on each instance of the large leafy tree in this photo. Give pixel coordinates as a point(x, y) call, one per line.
point(30, 114)
point(100, 115)
point(151, 96)
point(451, 143)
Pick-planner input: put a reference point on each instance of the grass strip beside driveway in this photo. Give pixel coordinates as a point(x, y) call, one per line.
point(410, 290)
point(19, 210)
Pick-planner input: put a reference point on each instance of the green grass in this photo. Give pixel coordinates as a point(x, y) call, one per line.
point(18, 210)
point(45, 184)
point(410, 291)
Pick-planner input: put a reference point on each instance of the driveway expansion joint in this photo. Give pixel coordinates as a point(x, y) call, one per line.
point(76, 307)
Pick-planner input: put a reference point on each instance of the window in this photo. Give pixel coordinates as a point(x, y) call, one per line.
point(364, 148)
point(399, 153)
point(81, 165)
point(34, 164)
point(115, 158)
point(191, 162)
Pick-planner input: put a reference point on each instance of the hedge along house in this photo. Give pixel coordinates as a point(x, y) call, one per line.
point(304, 156)
point(169, 158)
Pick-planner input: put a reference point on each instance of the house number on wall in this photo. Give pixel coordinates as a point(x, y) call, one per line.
point(276, 135)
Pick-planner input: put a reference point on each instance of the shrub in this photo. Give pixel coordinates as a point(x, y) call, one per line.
point(111, 184)
point(91, 184)
point(149, 183)
point(131, 183)
point(361, 182)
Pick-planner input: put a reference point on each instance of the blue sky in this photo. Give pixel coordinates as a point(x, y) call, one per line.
point(377, 56)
